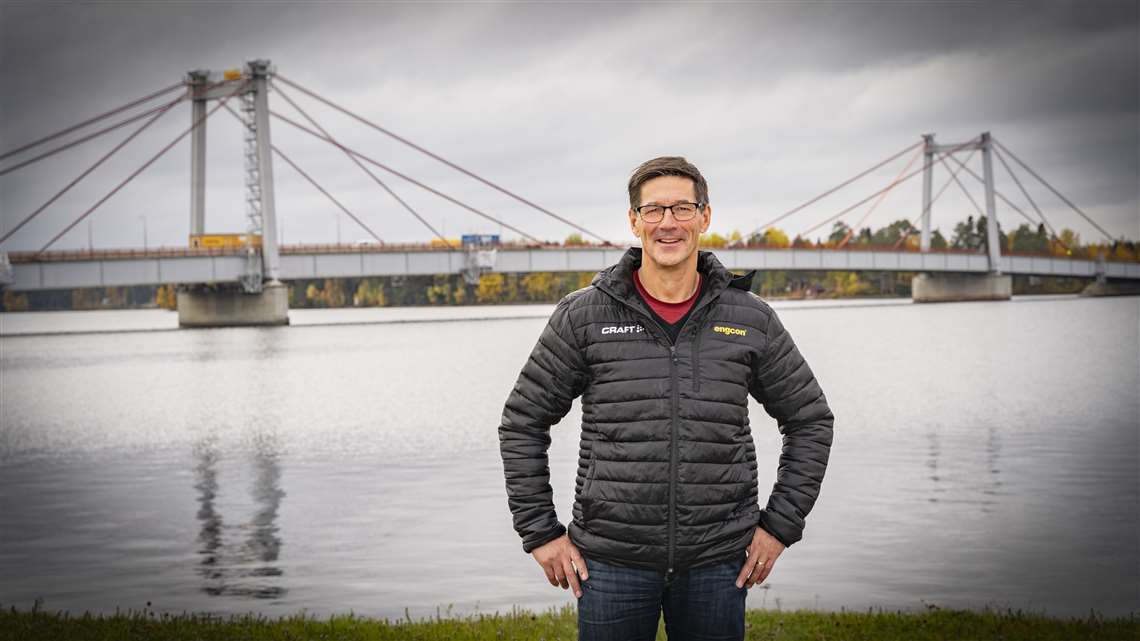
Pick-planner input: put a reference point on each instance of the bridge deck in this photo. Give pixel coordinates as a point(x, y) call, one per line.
point(64, 270)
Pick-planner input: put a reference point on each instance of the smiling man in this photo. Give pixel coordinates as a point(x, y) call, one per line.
point(664, 348)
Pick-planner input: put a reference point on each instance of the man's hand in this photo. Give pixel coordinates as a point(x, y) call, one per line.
point(559, 559)
point(762, 554)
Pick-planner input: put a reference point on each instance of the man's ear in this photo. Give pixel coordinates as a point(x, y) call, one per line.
point(633, 222)
point(707, 217)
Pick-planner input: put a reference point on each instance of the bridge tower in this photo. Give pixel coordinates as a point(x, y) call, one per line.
point(261, 298)
point(955, 287)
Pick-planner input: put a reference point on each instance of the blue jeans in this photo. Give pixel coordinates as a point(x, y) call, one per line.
point(623, 604)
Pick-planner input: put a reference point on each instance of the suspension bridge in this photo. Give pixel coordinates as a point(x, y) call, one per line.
point(241, 283)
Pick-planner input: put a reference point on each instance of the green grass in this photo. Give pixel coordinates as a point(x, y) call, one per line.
point(936, 623)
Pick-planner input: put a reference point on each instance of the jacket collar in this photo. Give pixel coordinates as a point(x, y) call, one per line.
point(617, 280)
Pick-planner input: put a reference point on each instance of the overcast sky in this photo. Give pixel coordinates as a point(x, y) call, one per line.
point(775, 102)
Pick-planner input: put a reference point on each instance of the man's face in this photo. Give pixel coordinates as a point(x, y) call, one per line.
point(669, 242)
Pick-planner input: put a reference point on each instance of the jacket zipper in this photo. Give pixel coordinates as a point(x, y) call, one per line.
point(675, 383)
point(697, 358)
point(675, 387)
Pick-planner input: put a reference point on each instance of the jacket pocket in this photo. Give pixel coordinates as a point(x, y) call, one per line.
point(586, 500)
point(591, 468)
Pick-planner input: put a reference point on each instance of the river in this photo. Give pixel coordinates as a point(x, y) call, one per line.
point(985, 454)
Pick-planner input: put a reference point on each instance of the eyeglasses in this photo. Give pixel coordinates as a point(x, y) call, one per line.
point(656, 213)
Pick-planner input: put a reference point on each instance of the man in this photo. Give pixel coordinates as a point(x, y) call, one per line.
point(664, 348)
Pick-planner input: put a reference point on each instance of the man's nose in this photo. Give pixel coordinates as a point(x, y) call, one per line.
point(668, 221)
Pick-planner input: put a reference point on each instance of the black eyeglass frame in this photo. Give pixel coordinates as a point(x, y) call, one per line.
point(699, 207)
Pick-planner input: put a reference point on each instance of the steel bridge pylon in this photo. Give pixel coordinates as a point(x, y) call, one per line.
point(983, 143)
point(263, 299)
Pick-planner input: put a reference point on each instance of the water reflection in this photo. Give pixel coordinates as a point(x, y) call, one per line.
point(248, 567)
point(958, 483)
point(993, 483)
point(934, 452)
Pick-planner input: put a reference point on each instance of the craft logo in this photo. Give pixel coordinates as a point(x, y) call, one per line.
point(730, 331)
point(623, 329)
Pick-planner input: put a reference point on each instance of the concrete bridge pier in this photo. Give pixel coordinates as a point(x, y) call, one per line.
point(231, 306)
point(945, 288)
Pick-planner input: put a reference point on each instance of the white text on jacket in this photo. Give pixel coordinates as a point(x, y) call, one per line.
point(623, 329)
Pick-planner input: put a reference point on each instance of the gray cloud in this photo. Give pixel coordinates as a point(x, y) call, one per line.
point(558, 102)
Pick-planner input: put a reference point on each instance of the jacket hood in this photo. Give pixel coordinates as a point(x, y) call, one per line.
point(618, 279)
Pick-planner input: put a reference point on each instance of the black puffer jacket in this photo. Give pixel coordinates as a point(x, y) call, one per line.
point(667, 466)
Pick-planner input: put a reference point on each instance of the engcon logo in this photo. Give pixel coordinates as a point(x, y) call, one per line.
point(730, 331)
point(623, 329)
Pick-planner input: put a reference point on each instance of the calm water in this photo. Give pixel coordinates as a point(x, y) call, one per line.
point(985, 454)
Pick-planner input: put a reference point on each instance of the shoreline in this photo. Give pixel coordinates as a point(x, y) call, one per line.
point(160, 320)
point(561, 623)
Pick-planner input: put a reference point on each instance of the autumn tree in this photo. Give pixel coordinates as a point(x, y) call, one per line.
point(539, 286)
point(713, 240)
point(490, 289)
point(14, 302)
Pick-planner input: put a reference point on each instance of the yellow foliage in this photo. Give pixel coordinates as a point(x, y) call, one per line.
point(775, 237)
point(713, 240)
point(539, 286)
point(1121, 253)
point(14, 302)
point(490, 289)
point(166, 297)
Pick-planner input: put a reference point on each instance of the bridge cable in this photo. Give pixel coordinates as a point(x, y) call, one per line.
point(405, 177)
point(914, 221)
point(371, 175)
point(80, 177)
point(903, 179)
point(79, 141)
point(977, 207)
point(148, 163)
point(875, 205)
point(312, 181)
point(441, 159)
point(833, 189)
point(997, 193)
point(1025, 193)
point(1055, 192)
point(89, 121)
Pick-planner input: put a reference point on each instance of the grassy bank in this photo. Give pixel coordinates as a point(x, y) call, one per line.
point(561, 624)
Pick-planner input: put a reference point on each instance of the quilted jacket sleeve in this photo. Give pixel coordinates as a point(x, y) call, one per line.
point(785, 385)
point(553, 376)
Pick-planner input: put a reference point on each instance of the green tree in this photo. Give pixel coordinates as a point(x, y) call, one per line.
point(574, 240)
point(966, 235)
point(839, 231)
point(937, 240)
point(891, 234)
point(1027, 240)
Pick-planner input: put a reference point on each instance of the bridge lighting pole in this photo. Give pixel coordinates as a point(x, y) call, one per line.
point(993, 243)
point(927, 179)
point(197, 81)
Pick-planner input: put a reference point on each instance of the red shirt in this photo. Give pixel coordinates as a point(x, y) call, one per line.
point(669, 312)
